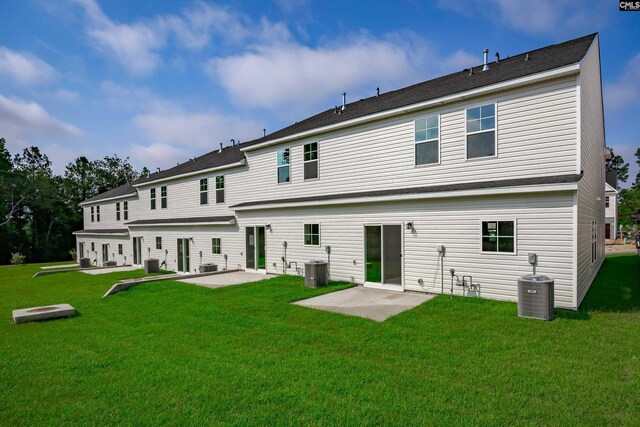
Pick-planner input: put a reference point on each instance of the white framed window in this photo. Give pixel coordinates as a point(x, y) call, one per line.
point(125, 210)
point(310, 160)
point(117, 211)
point(284, 166)
point(158, 242)
point(204, 191)
point(498, 236)
point(93, 246)
point(481, 131)
point(220, 189)
point(426, 137)
point(216, 247)
point(606, 201)
point(92, 217)
point(163, 197)
point(312, 234)
point(97, 213)
point(152, 197)
point(119, 248)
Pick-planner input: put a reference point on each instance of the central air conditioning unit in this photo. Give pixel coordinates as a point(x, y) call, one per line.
point(535, 297)
point(315, 274)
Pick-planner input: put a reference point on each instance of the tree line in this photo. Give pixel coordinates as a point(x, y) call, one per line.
point(629, 200)
point(39, 210)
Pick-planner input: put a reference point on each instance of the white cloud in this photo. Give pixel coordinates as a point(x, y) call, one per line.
point(21, 120)
point(292, 75)
point(64, 95)
point(535, 17)
point(199, 130)
point(625, 90)
point(24, 68)
point(156, 155)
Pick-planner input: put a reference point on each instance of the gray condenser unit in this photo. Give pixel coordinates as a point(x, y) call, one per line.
point(315, 274)
point(535, 297)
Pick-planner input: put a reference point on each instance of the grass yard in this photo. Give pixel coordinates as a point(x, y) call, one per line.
point(172, 353)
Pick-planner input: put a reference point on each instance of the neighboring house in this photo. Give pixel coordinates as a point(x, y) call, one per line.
point(611, 206)
point(492, 164)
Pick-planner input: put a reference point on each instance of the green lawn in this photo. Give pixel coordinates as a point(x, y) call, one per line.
point(171, 353)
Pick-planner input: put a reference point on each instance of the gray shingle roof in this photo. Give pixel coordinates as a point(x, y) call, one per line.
point(540, 60)
point(124, 190)
point(190, 220)
point(504, 183)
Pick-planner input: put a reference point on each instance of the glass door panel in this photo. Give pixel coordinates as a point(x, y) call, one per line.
point(373, 253)
point(392, 254)
point(180, 255)
point(261, 249)
point(251, 248)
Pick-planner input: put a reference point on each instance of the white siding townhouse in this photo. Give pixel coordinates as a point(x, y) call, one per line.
point(491, 164)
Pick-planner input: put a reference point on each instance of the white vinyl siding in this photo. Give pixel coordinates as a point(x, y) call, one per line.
point(119, 248)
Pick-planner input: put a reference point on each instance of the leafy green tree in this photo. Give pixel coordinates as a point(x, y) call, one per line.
point(616, 163)
point(636, 183)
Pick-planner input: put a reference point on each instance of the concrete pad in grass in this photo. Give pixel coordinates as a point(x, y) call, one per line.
point(374, 304)
point(227, 279)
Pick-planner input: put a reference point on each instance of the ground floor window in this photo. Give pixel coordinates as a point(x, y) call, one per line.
point(119, 248)
point(158, 242)
point(498, 236)
point(93, 247)
point(594, 241)
point(312, 234)
point(215, 246)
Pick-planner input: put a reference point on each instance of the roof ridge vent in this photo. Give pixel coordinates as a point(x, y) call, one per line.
point(485, 53)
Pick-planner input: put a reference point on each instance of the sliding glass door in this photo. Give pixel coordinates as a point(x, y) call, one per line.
point(255, 248)
point(383, 255)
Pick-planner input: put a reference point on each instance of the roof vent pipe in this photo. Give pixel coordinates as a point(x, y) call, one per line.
point(220, 147)
point(377, 91)
point(486, 66)
point(526, 58)
point(264, 132)
point(497, 57)
point(344, 101)
point(233, 142)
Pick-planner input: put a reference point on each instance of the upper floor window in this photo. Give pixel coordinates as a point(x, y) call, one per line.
point(152, 193)
point(125, 210)
point(97, 213)
point(117, 211)
point(158, 242)
point(427, 140)
point(311, 160)
point(481, 131)
point(220, 189)
point(163, 196)
point(498, 236)
point(312, 234)
point(215, 246)
point(204, 191)
point(92, 217)
point(283, 166)
point(606, 201)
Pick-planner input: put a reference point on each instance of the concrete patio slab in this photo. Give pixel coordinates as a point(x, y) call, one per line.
point(46, 312)
point(227, 279)
point(107, 270)
point(374, 304)
point(55, 267)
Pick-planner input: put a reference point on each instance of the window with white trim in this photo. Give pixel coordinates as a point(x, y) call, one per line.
point(204, 191)
point(119, 248)
point(606, 201)
point(158, 242)
point(117, 211)
point(498, 236)
point(125, 210)
point(284, 166)
point(216, 247)
point(220, 189)
point(594, 241)
point(152, 197)
point(92, 217)
point(481, 131)
point(427, 140)
point(312, 234)
point(97, 213)
point(93, 246)
point(163, 196)
point(310, 160)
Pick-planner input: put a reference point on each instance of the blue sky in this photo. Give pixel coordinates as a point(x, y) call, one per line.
point(163, 81)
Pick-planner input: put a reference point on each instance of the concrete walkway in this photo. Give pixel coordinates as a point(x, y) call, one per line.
point(94, 271)
point(374, 304)
point(227, 279)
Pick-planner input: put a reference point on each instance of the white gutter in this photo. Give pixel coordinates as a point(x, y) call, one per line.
point(546, 75)
point(199, 172)
point(165, 224)
point(93, 233)
point(125, 196)
point(417, 196)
